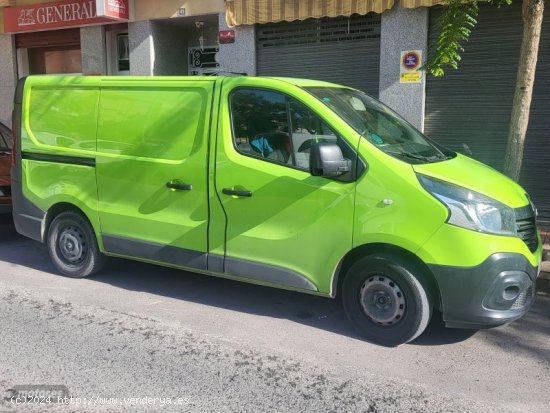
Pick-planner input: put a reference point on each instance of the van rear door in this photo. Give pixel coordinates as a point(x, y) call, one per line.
point(151, 168)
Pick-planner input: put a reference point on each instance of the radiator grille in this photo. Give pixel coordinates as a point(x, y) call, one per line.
point(527, 231)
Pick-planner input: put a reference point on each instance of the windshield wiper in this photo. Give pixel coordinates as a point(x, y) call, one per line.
point(411, 155)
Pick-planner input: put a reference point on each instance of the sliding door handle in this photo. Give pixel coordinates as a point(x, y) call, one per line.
point(179, 186)
point(237, 192)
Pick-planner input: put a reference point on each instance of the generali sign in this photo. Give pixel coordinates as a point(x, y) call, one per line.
point(113, 9)
point(62, 14)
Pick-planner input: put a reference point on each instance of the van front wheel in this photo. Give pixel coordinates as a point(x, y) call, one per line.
point(385, 301)
point(72, 246)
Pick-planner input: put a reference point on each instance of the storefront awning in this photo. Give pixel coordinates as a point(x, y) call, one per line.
point(413, 4)
point(242, 12)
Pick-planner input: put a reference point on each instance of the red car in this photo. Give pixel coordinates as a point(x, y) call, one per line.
point(6, 143)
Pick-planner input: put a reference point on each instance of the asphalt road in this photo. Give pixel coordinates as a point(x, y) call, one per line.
point(206, 344)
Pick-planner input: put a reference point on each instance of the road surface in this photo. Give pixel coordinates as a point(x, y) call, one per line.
point(143, 338)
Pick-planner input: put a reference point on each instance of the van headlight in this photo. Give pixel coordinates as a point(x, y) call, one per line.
point(472, 210)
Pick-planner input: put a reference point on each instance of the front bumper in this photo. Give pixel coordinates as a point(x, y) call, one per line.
point(499, 290)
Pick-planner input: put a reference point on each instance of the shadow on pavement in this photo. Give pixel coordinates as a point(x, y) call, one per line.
point(529, 336)
point(437, 334)
point(7, 230)
point(318, 312)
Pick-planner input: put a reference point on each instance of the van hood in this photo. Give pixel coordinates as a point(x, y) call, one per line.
point(474, 175)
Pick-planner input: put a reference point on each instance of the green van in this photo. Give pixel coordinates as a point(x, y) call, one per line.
point(291, 183)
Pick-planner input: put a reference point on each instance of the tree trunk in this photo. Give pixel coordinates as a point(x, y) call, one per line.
point(532, 22)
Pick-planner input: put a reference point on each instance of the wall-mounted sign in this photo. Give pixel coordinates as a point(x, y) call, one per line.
point(113, 9)
point(226, 36)
point(62, 14)
point(411, 60)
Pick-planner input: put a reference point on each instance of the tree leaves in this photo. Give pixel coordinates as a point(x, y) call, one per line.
point(455, 26)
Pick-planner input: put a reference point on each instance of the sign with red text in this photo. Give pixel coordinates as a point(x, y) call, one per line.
point(226, 36)
point(61, 14)
point(113, 9)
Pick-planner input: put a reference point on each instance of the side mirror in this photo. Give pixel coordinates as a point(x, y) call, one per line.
point(326, 159)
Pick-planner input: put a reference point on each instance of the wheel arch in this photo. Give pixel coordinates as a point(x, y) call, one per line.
point(427, 279)
point(57, 209)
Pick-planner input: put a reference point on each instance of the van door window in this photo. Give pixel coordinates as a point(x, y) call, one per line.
point(306, 129)
point(260, 125)
point(272, 126)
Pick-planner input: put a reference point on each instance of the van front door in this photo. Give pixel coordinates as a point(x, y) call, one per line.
point(284, 226)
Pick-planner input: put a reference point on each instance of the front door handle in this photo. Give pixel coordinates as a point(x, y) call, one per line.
point(179, 186)
point(237, 192)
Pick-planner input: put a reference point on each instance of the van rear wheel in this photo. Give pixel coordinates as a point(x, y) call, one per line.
point(385, 301)
point(72, 246)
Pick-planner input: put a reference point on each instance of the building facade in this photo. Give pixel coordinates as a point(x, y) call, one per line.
point(373, 45)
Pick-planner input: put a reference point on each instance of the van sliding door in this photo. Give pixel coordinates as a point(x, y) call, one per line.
point(151, 169)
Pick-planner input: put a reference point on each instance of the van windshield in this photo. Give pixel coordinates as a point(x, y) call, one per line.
point(380, 125)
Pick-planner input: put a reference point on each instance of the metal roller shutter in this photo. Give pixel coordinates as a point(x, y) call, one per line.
point(341, 50)
point(468, 110)
point(535, 176)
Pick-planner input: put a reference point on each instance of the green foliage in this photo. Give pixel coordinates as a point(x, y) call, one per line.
point(455, 26)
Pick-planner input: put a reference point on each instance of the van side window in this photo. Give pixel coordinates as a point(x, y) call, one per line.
point(261, 127)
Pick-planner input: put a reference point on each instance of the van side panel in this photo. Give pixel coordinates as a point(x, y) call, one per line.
point(58, 144)
point(392, 208)
point(49, 183)
point(63, 118)
point(152, 135)
point(26, 216)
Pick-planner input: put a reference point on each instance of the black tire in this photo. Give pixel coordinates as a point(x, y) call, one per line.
point(72, 246)
point(385, 301)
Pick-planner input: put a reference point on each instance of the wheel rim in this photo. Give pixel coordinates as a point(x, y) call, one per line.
point(382, 300)
point(72, 245)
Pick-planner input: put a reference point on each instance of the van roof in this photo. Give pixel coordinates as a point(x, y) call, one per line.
point(306, 82)
point(92, 79)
